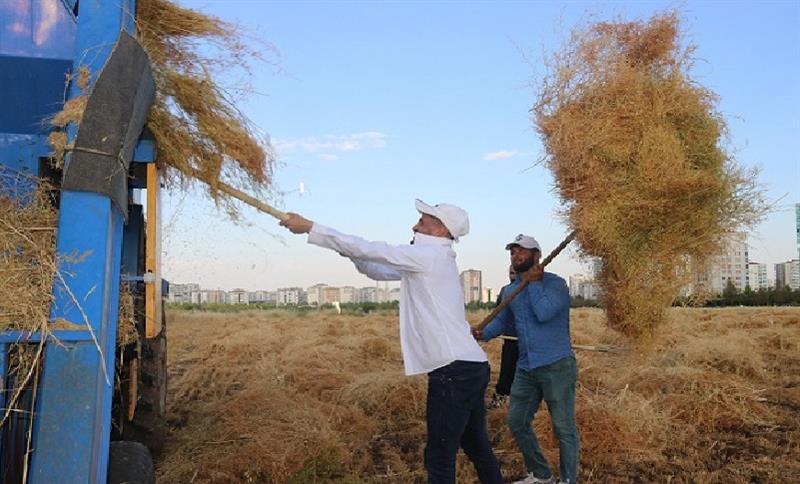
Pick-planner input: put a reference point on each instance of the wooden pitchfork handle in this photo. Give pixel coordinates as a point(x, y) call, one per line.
point(252, 201)
point(243, 197)
point(507, 300)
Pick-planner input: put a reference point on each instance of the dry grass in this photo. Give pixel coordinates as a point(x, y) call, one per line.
point(29, 275)
point(200, 132)
point(638, 151)
point(280, 397)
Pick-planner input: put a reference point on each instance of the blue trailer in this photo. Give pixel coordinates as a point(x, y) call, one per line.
point(90, 393)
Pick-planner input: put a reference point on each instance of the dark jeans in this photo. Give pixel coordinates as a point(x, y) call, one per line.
point(456, 417)
point(508, 366)
point(555, 384)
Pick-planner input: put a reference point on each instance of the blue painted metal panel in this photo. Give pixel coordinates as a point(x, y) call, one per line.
point(72, 430)
point(145, 151)
point(21, 152)
point(56, 336)
point(32, 89)
point(132, 240)
point(3, 369)
point(30, 28)
point(73, 427)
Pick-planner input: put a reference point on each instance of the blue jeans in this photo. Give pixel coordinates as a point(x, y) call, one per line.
point(456, 417)
point(555, 383)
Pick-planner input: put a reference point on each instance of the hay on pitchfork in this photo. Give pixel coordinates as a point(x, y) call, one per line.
point(638, 152)
point(200, 132)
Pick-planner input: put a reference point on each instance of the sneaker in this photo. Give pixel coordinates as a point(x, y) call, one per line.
point(498, 400)
point(531, 479)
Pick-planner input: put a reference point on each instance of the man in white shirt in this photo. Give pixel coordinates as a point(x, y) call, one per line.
point(435, 337)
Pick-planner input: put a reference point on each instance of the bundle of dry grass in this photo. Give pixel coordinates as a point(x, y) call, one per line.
point(71, 114)
point(127, 332)
point(199, 130)
point(200, 133)
point(27, 251)
point(637, 151)
point(27, 268)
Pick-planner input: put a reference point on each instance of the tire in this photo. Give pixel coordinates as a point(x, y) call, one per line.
point(149, 424)
point(130, 463)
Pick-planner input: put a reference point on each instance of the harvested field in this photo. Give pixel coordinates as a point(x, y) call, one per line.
point(279, 397)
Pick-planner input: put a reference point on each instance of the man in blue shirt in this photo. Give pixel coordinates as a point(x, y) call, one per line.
point(546, 369)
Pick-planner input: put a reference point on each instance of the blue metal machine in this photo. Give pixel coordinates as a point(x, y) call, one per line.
point(107, 214)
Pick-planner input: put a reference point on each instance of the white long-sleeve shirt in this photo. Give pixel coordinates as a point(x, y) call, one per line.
point(433, 328)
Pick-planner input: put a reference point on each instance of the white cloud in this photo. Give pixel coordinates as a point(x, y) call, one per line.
point(329, 144)
point(499, 155)
point(328, 157)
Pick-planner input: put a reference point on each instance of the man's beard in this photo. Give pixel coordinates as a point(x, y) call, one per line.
point(524, 266)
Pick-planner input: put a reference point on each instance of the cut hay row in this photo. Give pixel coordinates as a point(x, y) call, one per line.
point(281, 397)
point(637, 149)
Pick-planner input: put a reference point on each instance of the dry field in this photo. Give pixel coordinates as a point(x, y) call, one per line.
point(285, 397)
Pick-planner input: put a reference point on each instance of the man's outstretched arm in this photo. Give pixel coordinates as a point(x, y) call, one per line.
point(395, 257)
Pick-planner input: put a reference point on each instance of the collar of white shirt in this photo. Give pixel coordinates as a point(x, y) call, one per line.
point(423, 239)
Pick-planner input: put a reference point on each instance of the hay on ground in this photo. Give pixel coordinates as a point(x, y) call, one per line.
point(637, 149)
point(255, 399)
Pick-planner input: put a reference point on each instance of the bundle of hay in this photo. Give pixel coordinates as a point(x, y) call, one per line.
point(199, 130)
point(200, 133)
point(27, 268)
point(27, 251)
point(637, 151)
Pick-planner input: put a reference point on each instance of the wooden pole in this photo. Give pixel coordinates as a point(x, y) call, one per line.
point(252, 201)
point(507, 300)
point(242, 196)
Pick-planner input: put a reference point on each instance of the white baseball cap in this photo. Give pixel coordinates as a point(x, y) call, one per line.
point(525, 241)
point(454, 218)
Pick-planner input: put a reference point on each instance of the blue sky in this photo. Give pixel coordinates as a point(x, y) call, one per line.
point(373, 104)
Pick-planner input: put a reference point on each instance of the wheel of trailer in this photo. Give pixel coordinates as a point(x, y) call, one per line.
point(149, 424)
point(130, 463)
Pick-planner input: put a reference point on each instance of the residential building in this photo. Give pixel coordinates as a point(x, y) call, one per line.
point(472, 285)
point(291, 295)
point(347, 294)
point(330, 295)
point(729, 266)
point(583, 286)
point(182, 293)
point(368, 294)
point(315, 294)
point(259, 297)
point(393, 294)
point(787, 274)
point(213, 297)
point(797, 226)
point(757, 276)
point(238, 296)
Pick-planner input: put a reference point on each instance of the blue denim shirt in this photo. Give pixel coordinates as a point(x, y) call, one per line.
point(540, 317)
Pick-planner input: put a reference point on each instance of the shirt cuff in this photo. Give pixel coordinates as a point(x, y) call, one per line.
point(317, 233)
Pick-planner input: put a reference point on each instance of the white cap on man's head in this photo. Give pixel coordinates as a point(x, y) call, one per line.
point(454, 218)
point(525, 241)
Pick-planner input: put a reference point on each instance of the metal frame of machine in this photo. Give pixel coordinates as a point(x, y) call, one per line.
point(72, 420)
